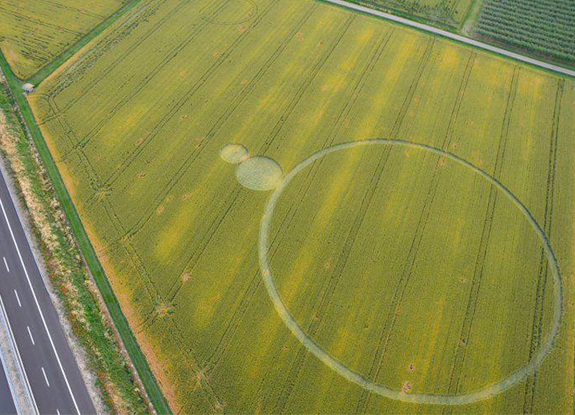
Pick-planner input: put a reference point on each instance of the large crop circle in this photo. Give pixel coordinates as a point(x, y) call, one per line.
point(377, 388)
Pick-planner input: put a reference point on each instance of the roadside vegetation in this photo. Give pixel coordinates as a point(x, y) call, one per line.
point(67, 271)
point(410, 270)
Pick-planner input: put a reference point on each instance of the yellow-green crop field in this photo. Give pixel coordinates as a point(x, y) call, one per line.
point(33, 32)
point(421, 266)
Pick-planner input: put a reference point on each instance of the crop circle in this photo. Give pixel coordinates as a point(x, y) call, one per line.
point(377, 388)
point(259, 173)
point(234, 153)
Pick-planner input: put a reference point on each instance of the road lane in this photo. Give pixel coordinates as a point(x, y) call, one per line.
point(52, 372)
point(7, 405)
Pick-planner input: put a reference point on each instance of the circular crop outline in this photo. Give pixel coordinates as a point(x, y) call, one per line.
point(355, 377)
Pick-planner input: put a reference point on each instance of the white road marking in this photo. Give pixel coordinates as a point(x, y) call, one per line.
point(6, 263)
point(39, 309)
point(57, 411)
point(17, 298)
point(45, 377)
point(30, 333)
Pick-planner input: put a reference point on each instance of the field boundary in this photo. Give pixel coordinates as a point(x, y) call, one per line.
point(453, 36)
point(113, 307)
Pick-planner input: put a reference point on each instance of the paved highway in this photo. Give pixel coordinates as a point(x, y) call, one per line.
point(49, 366)
point(453, 36)
point(7, 405)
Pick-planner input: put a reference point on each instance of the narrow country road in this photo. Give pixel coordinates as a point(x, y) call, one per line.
point(49, 367)
point(453, 36)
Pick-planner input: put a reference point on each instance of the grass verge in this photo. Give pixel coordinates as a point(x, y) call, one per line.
point(137, 357)
point(65, 267)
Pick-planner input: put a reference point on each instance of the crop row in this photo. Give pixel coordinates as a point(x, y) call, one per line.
point(545, 38)
point(542, 27)
point(554, 9)
point(524, 41)
point(531, 21)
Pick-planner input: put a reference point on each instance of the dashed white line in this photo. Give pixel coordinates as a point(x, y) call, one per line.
point(57, 411)
point(45, 377)
point(39, 309)
point(6, 263)
point(30, 333)
point(17, 298)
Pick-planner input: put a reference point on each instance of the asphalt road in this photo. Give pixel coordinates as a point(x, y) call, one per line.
point(453, 36)
point(50, 368)
point(6, 401)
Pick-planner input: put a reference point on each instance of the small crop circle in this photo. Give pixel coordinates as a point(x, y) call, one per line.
point(259, 173)
point(377, 388)
point(234, 153)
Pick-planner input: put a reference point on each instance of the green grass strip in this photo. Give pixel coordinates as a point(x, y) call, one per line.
point(50, 67)
point(138, 359)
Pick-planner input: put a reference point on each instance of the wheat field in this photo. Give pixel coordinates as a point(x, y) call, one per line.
point(34, 32)
point(414, 261)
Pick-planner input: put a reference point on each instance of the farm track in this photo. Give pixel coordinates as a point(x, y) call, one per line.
point(329, 289)
point(20, 16)
point(380, 351)
point(102, 75)
point(41, 35)
point(220, 122)
point(536, 334)
point(174, 109)
point(137, 261)
point(301, 90)
point(229, 203)
point(465, 332)
point(332, 283)
point(49, 98)
point(77, 68)
point(287, 112)
point(151, 290)
point(141, 85)
point(363, 401)
point(294, 208)
point(65, 7)
point(126, 243)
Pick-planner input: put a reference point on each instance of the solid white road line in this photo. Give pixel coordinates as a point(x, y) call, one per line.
point(6, 263)
point(45, 377)
point(17, 298)
point(30, 333)
point(57, 411)
point(39, 309)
